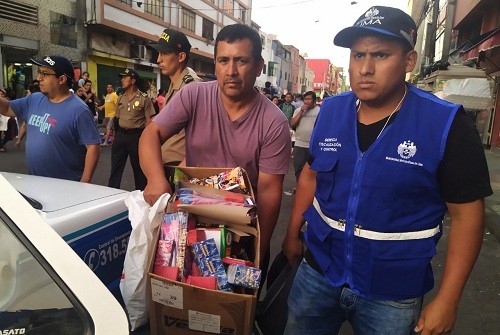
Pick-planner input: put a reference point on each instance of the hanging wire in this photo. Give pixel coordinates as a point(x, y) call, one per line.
point(157, 4)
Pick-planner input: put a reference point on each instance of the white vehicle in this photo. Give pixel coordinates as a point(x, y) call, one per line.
point(92, 219)
point(45, 288)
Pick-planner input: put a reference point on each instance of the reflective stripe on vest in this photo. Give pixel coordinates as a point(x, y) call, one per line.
point(374, 235)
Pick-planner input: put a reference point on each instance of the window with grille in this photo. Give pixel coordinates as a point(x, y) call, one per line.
point(18, 12)
point(208, 29)
point(63, 30)
point(155, 7)
point(273, 68)
point(188, 19)
point(128, 2)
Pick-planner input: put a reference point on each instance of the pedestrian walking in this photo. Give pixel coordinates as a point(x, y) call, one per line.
point(286, 107)
point(303, 121)
point(134, 110)
point(91, 100)
point(386, 161)
point(298, 100)
point(228, 124)
point(109, 107)
point(63, 141)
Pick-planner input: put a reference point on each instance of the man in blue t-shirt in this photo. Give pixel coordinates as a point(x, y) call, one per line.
point(63, 141)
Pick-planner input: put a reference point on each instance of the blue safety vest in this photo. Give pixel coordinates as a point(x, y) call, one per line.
point(377, 215)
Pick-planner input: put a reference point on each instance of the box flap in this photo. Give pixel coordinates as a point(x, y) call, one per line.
point(233, 214)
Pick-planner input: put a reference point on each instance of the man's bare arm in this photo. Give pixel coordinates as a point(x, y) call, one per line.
point(269, 192)
point(152, 164)
point(5, 108)
point(306, 186)
point(91, 160)
point(465, 240)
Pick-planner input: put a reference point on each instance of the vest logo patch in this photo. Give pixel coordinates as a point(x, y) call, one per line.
point(407, 149)
point(330, 144)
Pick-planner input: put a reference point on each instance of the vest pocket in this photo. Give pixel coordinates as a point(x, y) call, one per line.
point(325, 176)
point(402, 269)
point(319, 241)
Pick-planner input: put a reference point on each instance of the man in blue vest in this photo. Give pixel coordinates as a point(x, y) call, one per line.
point(386, 161)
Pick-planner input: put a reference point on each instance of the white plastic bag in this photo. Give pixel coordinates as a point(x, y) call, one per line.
point(144, 220)
point(4, 123)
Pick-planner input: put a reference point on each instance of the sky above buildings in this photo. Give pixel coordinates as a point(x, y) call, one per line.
point(310, 25)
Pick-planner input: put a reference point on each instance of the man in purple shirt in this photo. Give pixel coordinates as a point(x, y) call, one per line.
point(228, 124)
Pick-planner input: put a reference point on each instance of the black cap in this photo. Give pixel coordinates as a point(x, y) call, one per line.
point(380, 20)
point(171, 40)
point(129, 72)
point(61, 65)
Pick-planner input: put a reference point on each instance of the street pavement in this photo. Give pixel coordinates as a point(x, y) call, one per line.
point(479, 309)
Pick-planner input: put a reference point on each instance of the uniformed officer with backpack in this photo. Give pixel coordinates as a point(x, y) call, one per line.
point(173, 49)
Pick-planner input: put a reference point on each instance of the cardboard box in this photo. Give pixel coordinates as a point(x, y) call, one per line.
point(179, 309)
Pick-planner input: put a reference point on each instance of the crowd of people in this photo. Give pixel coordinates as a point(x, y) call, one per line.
point(376, 168)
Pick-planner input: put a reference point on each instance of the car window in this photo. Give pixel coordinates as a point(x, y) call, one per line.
point(33, 299)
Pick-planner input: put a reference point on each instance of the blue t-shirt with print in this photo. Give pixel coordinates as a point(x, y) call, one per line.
point(56, 135)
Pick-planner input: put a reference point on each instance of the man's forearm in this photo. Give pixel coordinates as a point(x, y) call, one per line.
point(294, 121)
point(304, 195)
point(268, 210)
point(150, 153)
point(5, 108)
point(464, 244)
point(91, 160)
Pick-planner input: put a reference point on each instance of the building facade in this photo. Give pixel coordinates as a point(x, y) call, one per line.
point(454, 33)
point(104, 37)
point(324, 76)
point(36, 28)
point(119, 30)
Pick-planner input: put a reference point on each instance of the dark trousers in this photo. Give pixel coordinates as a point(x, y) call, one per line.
point(126, 145)
point(299, 159)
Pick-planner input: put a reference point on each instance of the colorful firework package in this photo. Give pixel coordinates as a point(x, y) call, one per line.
point(208, 239)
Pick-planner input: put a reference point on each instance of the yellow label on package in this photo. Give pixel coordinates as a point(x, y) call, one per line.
point(209, 323)
point(167, 294)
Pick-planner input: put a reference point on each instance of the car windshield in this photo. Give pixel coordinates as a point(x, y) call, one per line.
point(32, 298)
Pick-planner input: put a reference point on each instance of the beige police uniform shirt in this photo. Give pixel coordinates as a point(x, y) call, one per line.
point(174, 149)
point(132, 112)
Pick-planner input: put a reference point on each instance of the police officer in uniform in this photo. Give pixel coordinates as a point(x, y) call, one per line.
point(173, 49)
point(134, 110)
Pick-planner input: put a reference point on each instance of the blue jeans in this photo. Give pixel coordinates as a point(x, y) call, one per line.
point(317, 307)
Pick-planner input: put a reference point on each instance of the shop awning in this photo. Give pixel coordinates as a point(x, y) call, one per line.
point(491, 40)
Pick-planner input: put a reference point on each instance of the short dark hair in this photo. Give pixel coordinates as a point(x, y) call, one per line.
point(87, 81)
point(235, 32)
point(311, 94)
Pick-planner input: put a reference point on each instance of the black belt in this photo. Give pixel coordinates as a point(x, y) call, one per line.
point(130, 131)
point(308, 256)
